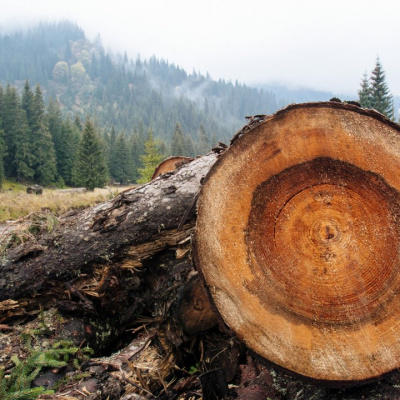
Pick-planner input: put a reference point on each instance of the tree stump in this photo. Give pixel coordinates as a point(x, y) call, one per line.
point(169, 165)
point(297, 239)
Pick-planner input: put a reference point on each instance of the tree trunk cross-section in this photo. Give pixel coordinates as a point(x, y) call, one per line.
point(298, 240)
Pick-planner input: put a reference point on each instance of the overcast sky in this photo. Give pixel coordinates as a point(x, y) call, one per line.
point(321, 44)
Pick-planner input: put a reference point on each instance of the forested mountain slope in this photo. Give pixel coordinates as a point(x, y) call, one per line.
point(129, 103)
point(125, 93)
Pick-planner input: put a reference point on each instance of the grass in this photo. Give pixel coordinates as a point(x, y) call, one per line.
point(16, 203)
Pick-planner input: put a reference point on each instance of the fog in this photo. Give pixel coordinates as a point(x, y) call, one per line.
point(316, 44)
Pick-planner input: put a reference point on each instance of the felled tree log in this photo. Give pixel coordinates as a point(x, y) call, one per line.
point(92, 257)
point(298, 240)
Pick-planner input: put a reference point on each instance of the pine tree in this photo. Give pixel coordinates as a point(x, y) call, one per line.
point(178, 141)
point(67, 149)
point(78, 123)
point(43, 147)
point(2, 153)
point(204, 145)
point(189, 148)
point(112, 153)
point(123, 163)
point(23, 156)
point(135, 155)
point(375, 93)
point(27, 102)
point(90, 169)
point(54, 118)
point(150, 159)
point(364, 94)
point(381, 99)
point(19, 158)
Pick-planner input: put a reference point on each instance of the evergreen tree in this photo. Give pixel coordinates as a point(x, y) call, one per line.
point(135, 155)
point(27, 102)
point(123, 163)
point(54, 118)
point(67, 149)
point(90, 169)
point(189, 148)
point(364, 94)
point(2, 153)
point(381, 99)
point(23, 156)
point(44, 162)
point(178, 141)
point(78, 123)
point(150, 159)
point(375, 92)
point(112, 161)
point(19, 158)
point(204, 145)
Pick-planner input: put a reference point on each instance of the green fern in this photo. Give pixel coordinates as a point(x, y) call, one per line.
point(17, 385)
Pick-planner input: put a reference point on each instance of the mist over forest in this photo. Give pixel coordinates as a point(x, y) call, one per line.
point(126, 100)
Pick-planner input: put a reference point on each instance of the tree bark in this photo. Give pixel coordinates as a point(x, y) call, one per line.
point(118, 234)
point(297, 238)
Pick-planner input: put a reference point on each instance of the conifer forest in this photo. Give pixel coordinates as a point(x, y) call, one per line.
point(57, 88)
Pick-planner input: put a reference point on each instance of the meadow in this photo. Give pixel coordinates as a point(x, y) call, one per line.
point(15, 203)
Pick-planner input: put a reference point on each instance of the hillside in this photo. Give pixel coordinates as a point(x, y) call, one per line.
point(129, 102)
point(124, 93)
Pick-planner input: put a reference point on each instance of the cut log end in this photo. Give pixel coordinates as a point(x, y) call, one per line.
point(298, 241)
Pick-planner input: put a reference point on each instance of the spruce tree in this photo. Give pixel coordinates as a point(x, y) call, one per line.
point(364, 94)
point(2, 153)
point(54, 118)
point(381, 99)
point(150, 159)
point(44, 162)
point(123, 162)
point(178, 141)
point(23, 156)
point(375, 92)
point(18, 161)
point(27, 102)
point(135, 155)
point(67, 149)
point(112, 161)
point(204, 145)
point(90, 169)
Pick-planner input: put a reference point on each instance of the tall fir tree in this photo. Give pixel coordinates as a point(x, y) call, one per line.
point(204, 145)
point(3, 150)
point(90, 168)
point(54, 120)
point(43, 147)
point(18, 160)
point(381, 99)
point(364, 94)
point(135, 154)
point(67, 150)
point(150, 159)
point(123, 162)
point(27, 101)
point(23, 157)
point(112, 153)
point(178, 141)
point(375, 92)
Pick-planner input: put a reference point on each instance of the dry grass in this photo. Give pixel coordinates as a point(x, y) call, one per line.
point(16, 204)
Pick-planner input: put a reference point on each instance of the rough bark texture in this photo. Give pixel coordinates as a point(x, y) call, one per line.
point(304, 264)
point(122, 232)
